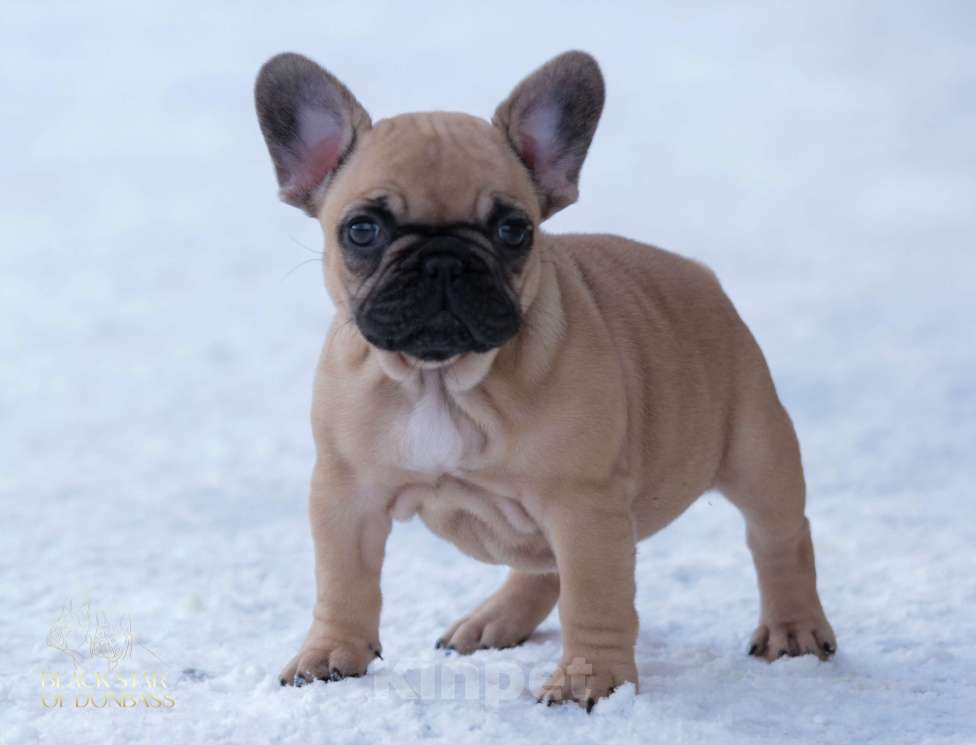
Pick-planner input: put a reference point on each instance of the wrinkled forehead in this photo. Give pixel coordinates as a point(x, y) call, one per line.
point(436, 168)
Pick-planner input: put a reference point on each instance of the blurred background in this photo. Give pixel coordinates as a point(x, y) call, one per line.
point(161, 314)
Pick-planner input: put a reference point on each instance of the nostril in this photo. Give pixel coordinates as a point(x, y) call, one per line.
point(443, 266)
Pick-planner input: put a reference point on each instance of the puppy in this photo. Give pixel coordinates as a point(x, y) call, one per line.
point(542, 401)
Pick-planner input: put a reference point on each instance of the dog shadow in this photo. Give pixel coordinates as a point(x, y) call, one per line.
point(542, 636)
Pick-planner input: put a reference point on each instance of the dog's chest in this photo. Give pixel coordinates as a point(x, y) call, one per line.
point(488, 522)
point(435, 435)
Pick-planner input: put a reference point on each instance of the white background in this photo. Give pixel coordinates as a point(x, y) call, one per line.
point(156, 354)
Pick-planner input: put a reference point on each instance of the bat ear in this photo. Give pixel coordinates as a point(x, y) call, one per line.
point(550, 119)
point(310, 122)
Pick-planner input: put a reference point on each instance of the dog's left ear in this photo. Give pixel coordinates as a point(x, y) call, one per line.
point(550, 119)
point(310, 122)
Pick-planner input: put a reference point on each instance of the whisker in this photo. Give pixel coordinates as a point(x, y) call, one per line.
point(299, 264)
point(302, 245)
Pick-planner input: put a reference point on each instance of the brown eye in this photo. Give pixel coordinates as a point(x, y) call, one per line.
point(514, 232)
point(362, 232)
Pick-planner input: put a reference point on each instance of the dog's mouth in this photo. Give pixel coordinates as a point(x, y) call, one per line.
point(441, 337)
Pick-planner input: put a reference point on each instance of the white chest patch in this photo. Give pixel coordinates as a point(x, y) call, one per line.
point(432, 441)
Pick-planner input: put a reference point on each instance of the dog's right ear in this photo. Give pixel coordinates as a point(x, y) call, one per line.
point(310, 122)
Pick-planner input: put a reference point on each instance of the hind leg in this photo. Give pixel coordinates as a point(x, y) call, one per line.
point(763, 477)
point(508, 617)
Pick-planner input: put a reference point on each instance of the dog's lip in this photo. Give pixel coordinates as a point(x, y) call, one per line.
point(420, 348)
point(407, 341)
point(417, 363)
point(410, 361)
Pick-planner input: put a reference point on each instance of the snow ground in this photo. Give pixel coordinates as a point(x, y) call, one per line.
point(158, 350)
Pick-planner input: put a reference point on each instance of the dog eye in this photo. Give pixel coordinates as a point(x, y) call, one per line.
point(513, 233)
point(362, 232)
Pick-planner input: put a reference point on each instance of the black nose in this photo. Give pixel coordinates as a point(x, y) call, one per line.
point(443, 266)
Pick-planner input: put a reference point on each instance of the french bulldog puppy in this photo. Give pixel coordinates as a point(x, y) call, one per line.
point(542, 401)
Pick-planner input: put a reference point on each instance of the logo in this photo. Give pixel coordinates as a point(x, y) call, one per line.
point(105, 672)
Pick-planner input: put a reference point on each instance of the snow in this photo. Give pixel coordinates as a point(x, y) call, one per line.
point(158, 351)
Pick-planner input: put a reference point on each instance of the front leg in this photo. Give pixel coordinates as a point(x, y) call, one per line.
point(593, 539)
point(349, 533)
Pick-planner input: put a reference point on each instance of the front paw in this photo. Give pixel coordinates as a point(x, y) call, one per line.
point(329, 658)
point(586, 681)
point(775, 639)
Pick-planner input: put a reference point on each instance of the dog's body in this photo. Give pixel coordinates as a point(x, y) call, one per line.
point(559, 398)
point(651, 423)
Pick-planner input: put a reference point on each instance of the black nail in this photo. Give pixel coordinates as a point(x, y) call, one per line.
point(377, 653)
point(828, 648)
point(590, 703)
point(282, 681)
point(793, 645)
point(438, 644)
point(754, 650)
point(782, 653)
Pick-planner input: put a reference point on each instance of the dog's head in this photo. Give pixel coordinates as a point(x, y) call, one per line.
point(430, 218)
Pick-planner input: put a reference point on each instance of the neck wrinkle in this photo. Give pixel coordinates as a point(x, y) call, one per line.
point(536, 348)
